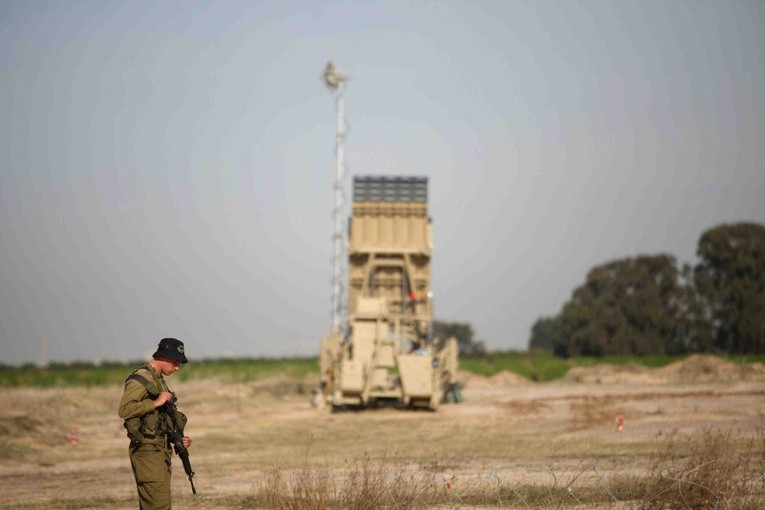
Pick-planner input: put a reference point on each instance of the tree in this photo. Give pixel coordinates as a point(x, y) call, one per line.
point(547, 334)
point(730, 278)
point(637, 306)
point(693, 331)
point(463, 332)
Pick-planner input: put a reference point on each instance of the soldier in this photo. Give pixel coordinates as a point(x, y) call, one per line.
point(143, 409)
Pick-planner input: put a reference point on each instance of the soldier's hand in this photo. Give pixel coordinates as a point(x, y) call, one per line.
point(186, 441)
point(163, 397)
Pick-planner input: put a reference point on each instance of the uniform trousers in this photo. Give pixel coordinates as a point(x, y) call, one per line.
point(151, 468)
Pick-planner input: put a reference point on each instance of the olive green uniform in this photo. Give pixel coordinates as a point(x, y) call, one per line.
point(149, 450)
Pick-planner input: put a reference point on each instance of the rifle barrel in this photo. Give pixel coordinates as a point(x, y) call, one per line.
point(176, 436)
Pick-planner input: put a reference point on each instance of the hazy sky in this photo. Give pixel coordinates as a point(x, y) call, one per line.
point(167, 167)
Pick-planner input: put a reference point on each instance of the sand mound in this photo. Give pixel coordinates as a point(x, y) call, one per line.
point(507, 378)
point(498, 380)
point(700, 368)
point(469, 380)
point(608, 373)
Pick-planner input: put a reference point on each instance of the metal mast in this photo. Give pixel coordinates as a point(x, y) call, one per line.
point(336, 82)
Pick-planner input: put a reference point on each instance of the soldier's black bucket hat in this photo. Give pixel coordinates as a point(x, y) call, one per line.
point(171, 348)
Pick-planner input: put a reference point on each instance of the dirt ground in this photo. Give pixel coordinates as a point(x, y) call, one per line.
point(507, 429)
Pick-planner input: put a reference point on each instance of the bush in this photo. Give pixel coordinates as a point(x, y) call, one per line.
point(719, 470)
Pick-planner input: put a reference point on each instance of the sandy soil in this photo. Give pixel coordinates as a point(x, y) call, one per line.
point(507, 428)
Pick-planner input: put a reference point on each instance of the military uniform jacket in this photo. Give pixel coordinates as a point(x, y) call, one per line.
point(144, 423)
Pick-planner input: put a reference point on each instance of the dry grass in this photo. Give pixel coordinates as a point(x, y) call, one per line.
point(368, 485)
point(721, 470)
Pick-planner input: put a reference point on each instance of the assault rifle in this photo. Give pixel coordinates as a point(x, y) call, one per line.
point(175, 435)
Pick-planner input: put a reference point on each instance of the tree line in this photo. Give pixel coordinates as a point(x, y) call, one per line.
point(648, 305)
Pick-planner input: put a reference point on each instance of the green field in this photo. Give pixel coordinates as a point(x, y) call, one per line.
point(90, 374)
point(535, 366)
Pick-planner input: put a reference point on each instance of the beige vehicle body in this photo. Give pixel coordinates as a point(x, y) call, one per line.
point(388, 354)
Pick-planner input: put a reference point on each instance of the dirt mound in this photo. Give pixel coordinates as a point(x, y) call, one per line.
point(469, 380)
point(507, 378)
point(697, 368)
point(498, 380)
point(700, 368)
point(608, 373)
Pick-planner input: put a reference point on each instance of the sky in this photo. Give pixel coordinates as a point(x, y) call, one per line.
point(167, 167)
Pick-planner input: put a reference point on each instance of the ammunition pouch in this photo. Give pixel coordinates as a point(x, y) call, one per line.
point(181, 419)
point(133, 427)
point(152, 427)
